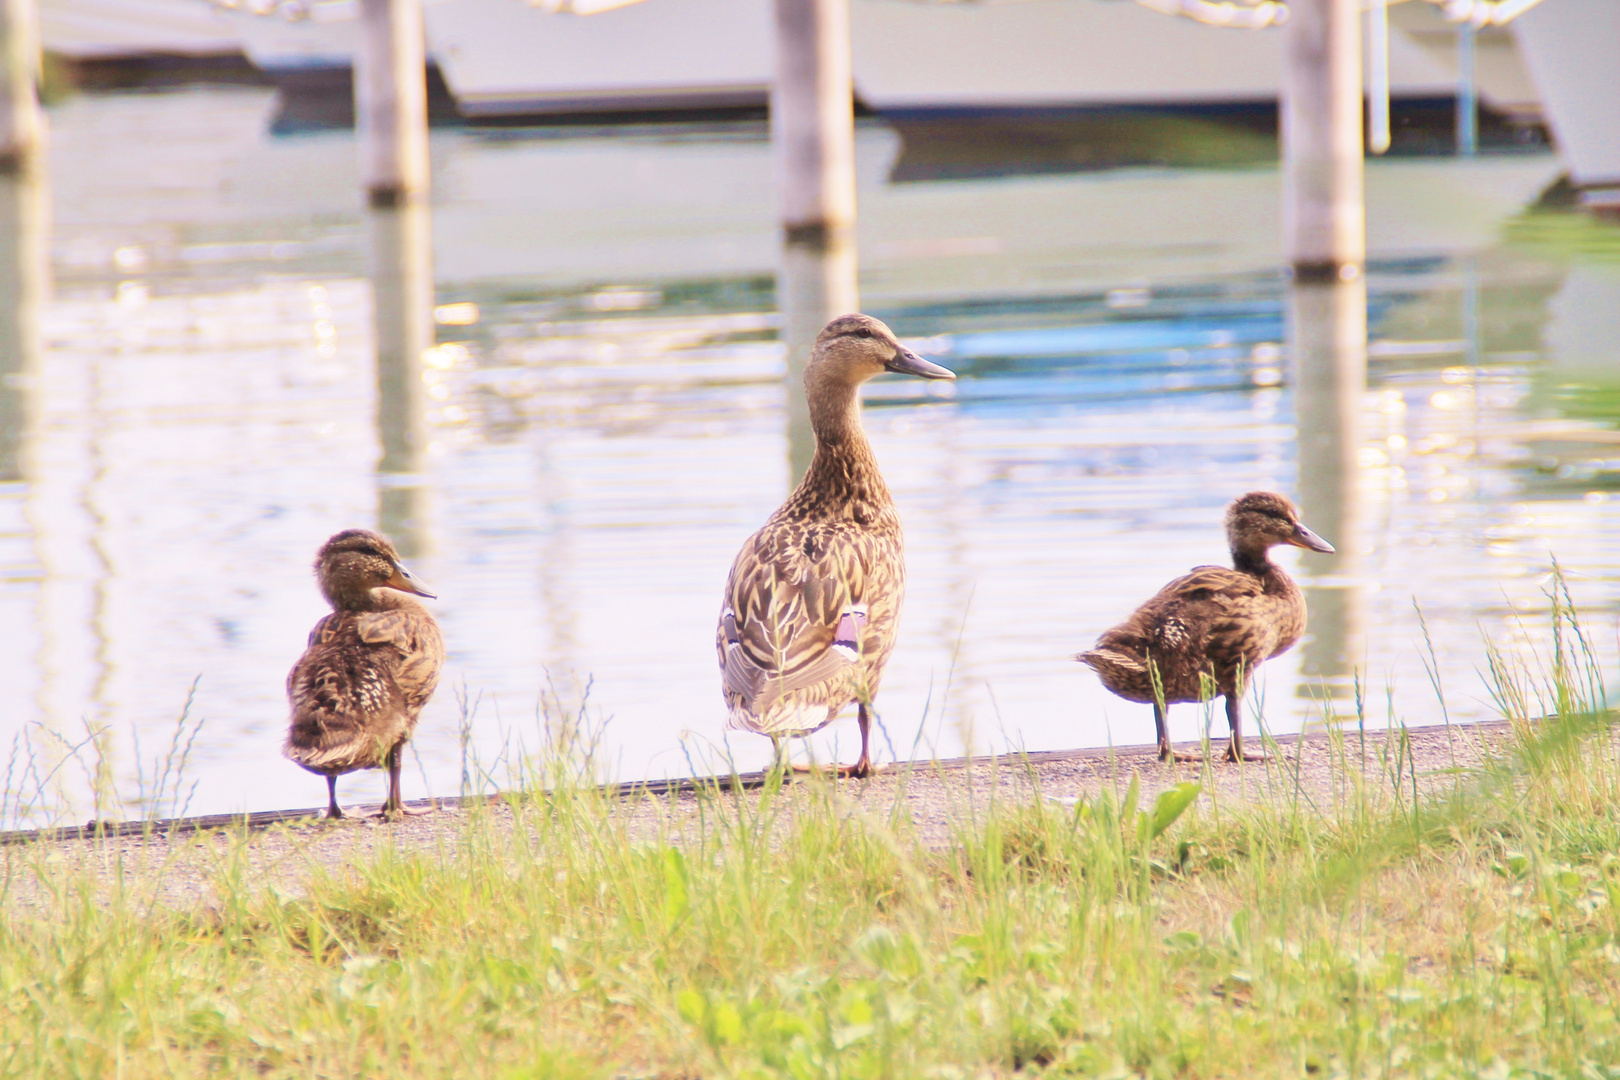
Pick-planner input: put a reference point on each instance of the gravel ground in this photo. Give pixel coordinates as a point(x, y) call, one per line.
point(183, 867)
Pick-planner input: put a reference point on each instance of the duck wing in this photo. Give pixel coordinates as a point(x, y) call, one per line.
point(347, 707)
point(359, 685)
point(794, 612)
point(421, 648)
point(1220, 585)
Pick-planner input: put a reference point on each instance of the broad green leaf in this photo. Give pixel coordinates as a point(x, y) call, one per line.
point(1170, 805)
point(727, 1024)
point(677, 897)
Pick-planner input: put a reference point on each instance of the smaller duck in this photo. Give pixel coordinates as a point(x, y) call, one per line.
point(1205, 633)
point(369, 667)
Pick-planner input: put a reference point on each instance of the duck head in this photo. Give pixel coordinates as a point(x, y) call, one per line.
point(1261, 520)
point(355, 562)
point(853, 348)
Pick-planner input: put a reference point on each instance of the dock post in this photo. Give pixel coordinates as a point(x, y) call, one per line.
point(1324, 218)
point(390, 101)
point(390, 108)
point(1325, 244)
point(813, 133)
point(21, 125)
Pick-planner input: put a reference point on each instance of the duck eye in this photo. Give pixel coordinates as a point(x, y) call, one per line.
point(863, 332)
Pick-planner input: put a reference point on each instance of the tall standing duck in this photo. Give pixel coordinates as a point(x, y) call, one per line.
point(813, 600)
point(369, 668)
point(1205, 633)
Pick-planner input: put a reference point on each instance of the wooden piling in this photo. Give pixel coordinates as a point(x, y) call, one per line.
point(390, 100)
point(1324, 220)
point(21, 123)
point(813, 134)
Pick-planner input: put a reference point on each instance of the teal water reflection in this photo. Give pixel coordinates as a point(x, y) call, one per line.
point(602, 420)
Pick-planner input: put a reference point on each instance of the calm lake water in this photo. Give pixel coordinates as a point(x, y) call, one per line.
point(608, 425)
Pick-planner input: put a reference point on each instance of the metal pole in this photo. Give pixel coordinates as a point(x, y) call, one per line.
point(813, 130)
point(1324, 223)
point(390, 101)
point(1467, 93)
point(1378, 75)
point(21, 125)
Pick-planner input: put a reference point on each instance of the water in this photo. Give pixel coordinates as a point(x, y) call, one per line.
point(600, 441)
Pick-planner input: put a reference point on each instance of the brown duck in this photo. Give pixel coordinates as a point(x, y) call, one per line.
point(1204, 634)
point(369, 668)
point(811, 607)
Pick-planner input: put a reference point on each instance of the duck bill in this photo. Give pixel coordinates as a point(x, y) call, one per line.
point(906, 362)
point(405, 581)
point(1308, 540)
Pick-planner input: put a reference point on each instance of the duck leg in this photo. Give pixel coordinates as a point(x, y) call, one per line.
point(395, 806)
point(1234, 717)
point(1166, 751)
point(862, 766)
point(333, 811)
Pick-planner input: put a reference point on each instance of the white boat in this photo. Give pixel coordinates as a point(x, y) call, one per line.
point(1572, 48)
point(504, 58)
point(107, 29)
point(500, 58)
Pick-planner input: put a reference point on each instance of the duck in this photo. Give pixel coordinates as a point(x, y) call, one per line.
point(812, 603)
point(369, 667)
point(1204, 634)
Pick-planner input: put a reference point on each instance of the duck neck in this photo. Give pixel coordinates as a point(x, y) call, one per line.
point(843, 479)
point(1256, 561)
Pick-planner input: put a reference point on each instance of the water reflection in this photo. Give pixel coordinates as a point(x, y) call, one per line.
point(24, 282)
point(815, 284)
point(610, 428)
point(24, 285)
point(1327, 334)
point(402, 298)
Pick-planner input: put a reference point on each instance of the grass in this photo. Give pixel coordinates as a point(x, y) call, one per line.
point(1474, 931)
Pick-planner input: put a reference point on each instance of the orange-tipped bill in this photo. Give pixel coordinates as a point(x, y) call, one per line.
point(1304, 538)
point(405, 581)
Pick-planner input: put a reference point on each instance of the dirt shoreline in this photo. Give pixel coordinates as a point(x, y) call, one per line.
point(179, 863)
